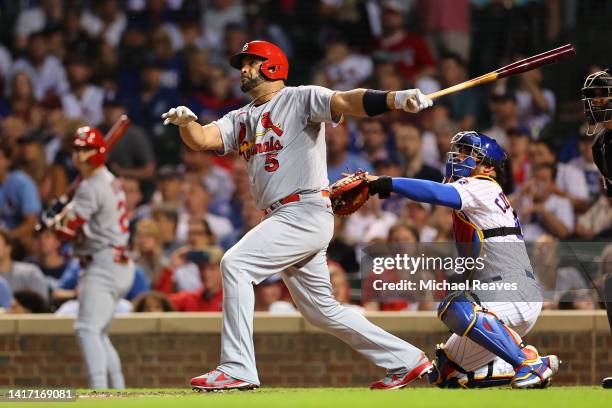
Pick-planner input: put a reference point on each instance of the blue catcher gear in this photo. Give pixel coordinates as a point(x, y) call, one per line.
point(465, 317)
point(468, 150)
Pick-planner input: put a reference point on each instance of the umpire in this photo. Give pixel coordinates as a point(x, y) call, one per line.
point(597, 100)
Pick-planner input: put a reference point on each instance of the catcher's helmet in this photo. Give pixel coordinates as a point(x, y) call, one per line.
point(597, 99)
point(469, 149)
point(274, 66)
point(91, 137)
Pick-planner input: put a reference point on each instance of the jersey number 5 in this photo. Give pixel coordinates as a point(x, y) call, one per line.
point(271, 162)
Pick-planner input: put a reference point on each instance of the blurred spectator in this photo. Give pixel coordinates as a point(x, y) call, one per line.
point(268, 295)
point(20, 275)
point(34, 19)
point(418, 215)
point(217, 15)
point(339, 159)
point(371, 222)
point(442, 222)
point(209, 298)
point(84, 100)
point(542, 210)
point(465, 105)
point(554, 278)
point(340, 286)
point(536, 105)
point(163, 54)
point(52, 127)
point(6, 63)
point(147, 104)
point(596, 222)
point(216, 179)
point(518, 152)
point(104, 20)
point(391, 168)
point(447, 25)
point(152, 302)
point(409, 50)
point(166, 217)
point(63, 171)
point(169, 187)
point(232, 209)
point(250, 217)
point(44, 69)
point(6, 296)
point(408, 142)
point(19, 201)
point(570, 181)
point(23, 101)
point(32, 160)
point(372, 139)
point(216, 98)
point(75, 37)
point(49, 257)
point(587, 165)
point(197, 200)
point(505, 117)
point(132, 156)
point(13, 129)
point(340, 250)
point(26, 301)
point(148, 252)
point(133, 198)
point(343, 69)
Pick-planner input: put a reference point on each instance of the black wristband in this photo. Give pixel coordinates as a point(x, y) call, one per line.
point(375, 102)
point(383, 186)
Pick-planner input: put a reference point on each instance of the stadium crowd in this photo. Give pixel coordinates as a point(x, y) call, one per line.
point(64, 64)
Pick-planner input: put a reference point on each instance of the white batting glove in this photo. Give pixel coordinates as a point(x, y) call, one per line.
point(412, 100)
point(179, 116)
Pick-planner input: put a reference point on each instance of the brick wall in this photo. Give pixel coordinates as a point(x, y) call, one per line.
point(166, 350)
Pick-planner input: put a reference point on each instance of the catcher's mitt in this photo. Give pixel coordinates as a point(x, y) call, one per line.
point(348, 194)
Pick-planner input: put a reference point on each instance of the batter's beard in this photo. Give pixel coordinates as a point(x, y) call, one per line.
point(251, 83)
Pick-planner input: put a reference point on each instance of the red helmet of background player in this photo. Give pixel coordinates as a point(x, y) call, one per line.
point(91, 137)
point(275, 65)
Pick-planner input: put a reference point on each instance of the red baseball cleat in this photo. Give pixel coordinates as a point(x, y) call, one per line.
point(397, 381)
point(216, 380)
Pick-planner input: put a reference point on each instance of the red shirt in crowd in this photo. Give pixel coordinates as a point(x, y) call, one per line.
point(197, 301)
point(409, 51)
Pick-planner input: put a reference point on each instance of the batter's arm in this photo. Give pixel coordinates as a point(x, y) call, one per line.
point(194, 135)
point(366, 102)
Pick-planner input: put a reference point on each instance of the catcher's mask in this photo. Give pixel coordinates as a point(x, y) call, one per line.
point(597, 100)
point(468, 150)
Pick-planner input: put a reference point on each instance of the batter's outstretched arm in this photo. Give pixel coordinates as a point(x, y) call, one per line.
point(367, 102)
point(194, 135)
point(424, 191)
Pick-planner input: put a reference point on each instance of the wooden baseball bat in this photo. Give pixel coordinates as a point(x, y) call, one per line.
point(517, 67)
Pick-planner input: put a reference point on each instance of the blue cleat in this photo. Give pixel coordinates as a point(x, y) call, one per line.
point(536, 371)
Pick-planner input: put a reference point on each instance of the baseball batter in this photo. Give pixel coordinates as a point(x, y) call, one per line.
point(486, 347)
point(280, 135)
point(97, 222)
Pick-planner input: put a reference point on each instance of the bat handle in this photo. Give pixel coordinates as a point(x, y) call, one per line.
point(483, 79)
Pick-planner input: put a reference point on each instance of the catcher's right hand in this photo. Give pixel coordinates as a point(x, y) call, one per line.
point(179, 116)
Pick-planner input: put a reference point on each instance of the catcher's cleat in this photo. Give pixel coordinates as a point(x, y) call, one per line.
point(536, 371)
point(607, 382)
point(397, 381)
point(217, 380)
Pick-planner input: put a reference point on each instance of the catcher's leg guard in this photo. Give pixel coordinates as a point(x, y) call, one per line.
point(448, 374)
point(465, 317)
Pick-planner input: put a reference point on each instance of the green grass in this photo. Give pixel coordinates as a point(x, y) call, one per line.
point(557, 397)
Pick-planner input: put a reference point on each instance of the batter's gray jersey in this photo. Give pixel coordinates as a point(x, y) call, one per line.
point(100, 202)
point(282, 141)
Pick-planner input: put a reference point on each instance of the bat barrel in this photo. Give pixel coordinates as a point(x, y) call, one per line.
point(536, 61)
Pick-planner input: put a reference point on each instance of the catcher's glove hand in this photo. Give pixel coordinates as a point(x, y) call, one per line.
point(348, 194)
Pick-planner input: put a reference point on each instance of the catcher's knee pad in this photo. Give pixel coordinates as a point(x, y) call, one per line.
point(464, 317)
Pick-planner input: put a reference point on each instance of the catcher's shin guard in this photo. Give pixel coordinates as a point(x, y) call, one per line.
point(466, 318)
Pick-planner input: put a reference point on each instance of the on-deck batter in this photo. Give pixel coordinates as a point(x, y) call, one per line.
point(281, 136)
point(97, 221)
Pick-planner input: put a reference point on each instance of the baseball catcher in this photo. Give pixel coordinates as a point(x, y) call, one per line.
point(486, 348)
point(281, 136)
point(597, 101)
point(96, 221)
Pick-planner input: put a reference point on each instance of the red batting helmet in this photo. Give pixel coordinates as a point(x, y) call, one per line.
point(91, 137)
point(275, 65)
